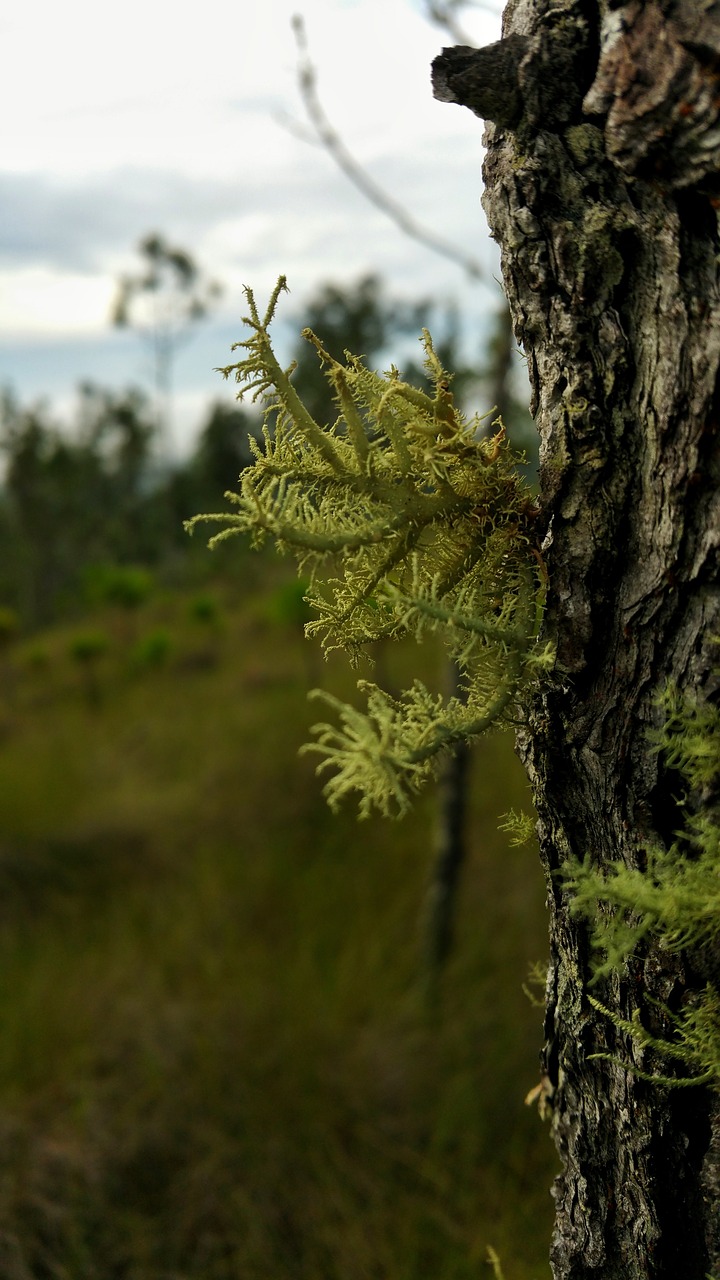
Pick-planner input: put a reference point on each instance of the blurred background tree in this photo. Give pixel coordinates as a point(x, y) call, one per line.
point(71, 498)
point(162, 301)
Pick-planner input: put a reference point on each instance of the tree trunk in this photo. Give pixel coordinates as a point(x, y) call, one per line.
point(601, 174)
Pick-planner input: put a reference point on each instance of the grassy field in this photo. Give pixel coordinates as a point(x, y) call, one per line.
point(218, 1060)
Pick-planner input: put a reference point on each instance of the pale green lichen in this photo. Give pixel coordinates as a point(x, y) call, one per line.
point(586, 144)
point(520, 828)
point(408, 520)
point(674, 901)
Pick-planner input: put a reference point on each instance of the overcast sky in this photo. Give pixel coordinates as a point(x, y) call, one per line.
point(150, 116)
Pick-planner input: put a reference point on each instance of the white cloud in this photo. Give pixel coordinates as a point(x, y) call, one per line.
point(33, 296)
point(153, 116)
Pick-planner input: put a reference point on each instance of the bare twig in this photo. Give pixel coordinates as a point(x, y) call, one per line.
point(442, 13)
point(297, 128)
point(334, 144)
point(443, 16)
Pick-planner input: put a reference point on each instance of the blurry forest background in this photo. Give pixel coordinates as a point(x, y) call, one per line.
point(226, 1051)
point(222, 1054)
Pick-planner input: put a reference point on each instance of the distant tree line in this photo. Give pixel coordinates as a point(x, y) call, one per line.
point(75, 499)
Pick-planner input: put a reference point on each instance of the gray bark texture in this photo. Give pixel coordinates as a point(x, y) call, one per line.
point(601, 187)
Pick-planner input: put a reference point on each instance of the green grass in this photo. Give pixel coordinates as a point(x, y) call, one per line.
point(217, 1058)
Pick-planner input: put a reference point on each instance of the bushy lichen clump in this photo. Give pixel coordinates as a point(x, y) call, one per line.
point(407, 520)
point(674, 901)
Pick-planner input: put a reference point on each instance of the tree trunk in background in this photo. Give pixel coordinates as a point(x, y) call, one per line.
point(451, 835)
point(450, 845)
point(600, 178)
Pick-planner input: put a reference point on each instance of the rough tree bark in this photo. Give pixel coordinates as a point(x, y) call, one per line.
point(601, 177)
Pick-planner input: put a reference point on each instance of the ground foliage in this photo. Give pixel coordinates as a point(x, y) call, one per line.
point(218, 1059)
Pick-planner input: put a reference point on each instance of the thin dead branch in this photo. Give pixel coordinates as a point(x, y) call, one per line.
point(442, 13)
point(333, 143)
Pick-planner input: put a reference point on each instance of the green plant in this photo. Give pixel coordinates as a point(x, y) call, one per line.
point(152, 650)
point(204, 609)
point(86, 647)
point(9, 626)
point(406, 521)
point(37, 656)
point(125, 585)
